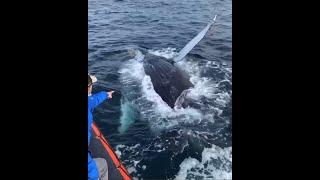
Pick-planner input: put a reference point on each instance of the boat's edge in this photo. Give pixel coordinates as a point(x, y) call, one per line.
point(124, 173)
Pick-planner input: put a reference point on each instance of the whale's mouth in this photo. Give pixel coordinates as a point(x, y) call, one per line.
point(180, 100)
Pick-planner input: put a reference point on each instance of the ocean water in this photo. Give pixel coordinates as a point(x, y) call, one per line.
point(152, 140)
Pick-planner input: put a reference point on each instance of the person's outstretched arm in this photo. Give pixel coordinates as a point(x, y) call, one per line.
point(99, 97)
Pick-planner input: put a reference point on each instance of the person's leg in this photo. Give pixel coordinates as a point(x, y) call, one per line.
point(102, 168)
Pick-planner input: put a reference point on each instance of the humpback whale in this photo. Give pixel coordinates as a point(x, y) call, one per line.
point(168, 80)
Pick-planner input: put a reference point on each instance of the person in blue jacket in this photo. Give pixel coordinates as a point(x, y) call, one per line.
point(97, 167)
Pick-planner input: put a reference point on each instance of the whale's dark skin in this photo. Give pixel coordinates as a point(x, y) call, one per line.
point(167, 79)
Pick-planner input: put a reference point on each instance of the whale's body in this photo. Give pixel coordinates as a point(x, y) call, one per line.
point(167, 79)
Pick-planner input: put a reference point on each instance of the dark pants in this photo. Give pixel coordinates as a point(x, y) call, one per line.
point(102, 168)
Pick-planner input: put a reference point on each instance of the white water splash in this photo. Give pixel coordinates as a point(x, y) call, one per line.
point(216, 164)
point(127, 116)
point(165, 52)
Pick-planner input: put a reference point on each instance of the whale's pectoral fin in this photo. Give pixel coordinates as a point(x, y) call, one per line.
point(194, 42)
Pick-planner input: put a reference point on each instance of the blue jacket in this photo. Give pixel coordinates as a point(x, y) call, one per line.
point(93, 101)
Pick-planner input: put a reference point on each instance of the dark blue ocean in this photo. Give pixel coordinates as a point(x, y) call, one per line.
point(152, 140)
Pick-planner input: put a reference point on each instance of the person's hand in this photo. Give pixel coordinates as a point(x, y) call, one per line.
point(110, 94)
